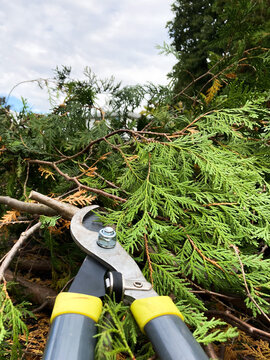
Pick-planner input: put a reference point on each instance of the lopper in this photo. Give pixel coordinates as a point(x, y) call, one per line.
point(108, 269)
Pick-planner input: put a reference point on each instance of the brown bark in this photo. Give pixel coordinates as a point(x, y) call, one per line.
point(30, 208)
point(34, 264)
point(65, 210)
point(39, 294)
point(209, 349)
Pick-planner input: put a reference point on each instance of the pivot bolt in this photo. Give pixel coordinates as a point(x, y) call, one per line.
point(138, 284)
point(107, 238)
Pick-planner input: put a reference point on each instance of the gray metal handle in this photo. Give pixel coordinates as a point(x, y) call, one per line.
point(71, 338)
point(172, 339)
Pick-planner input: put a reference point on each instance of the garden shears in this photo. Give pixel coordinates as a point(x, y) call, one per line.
point(108, 269)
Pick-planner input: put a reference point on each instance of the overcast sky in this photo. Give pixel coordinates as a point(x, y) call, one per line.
point(112, 37)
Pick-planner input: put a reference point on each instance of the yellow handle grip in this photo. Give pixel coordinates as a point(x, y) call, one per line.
point(145, 310)
point(73, 303)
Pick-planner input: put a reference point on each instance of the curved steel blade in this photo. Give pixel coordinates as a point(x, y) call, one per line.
point(84, 229)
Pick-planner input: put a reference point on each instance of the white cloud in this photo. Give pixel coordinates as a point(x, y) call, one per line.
point(111, 37)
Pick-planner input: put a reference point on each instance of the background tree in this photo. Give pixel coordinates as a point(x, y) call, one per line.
point(193, 29)
point(211, 36)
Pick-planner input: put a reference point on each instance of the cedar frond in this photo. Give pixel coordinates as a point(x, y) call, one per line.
point(60, 226)
point(2, 149)
point(9, 217)
point(212, 91)
point(46, 172)
point(260, 350)
point(90, 171)
point(80, 198)
point(245, 346)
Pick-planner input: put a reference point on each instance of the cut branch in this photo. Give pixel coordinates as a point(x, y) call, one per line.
point(65, 210)
point(30, 208)
point(34, 264)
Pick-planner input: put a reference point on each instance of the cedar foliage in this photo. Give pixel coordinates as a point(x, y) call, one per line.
point(186, 184)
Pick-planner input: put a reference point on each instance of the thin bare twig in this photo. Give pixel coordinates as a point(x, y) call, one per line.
point(25, 183)
point(12, 252)
point(122, 154)
point(14, 222)
point(67, 193)
point(76, 181)
point(119, 131)
point(109, 182)
point(215, 295)
point(207, 292)
point(265, 247)
point(29, 81)
point(67, 283)
point(3, 258)
point(219, 204)
point(41, 307)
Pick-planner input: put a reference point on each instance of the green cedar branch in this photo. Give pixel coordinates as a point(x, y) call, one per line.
point(109, 182)
point(181, 132)
point(75, 179)
point(236, 250)
point(195, 247)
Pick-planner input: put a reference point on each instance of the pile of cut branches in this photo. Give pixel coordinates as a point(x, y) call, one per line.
point(188, 193)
